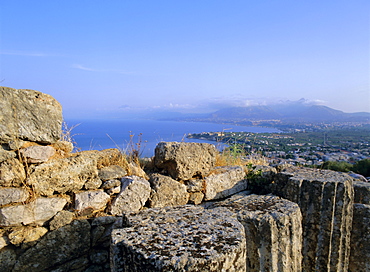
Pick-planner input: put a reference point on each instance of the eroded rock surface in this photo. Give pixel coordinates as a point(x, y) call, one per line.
point(185, 238)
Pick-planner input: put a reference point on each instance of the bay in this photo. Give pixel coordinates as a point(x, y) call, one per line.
point(143, 134)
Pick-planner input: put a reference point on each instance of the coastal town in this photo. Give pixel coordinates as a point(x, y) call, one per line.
point(300, 146)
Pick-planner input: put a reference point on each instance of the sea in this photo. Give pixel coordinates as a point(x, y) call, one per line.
point(144, 135)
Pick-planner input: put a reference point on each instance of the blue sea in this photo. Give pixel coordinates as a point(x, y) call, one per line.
point(118, 133)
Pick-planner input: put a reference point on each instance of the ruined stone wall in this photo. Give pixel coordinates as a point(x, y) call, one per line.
point(96, 211)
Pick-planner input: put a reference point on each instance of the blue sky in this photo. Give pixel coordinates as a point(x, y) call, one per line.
point(120, 56)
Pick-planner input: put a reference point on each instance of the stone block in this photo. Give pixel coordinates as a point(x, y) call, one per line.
point(185, 160)
point(37, 154)
point(29, 115)
point(12, 195)
point(362, 192)
point(273, 231)
point(326, 201)
point(95, 200)
point(186, 238)
point(112, 172)
point(167, 192)
point(12, 173)
point(225, 181)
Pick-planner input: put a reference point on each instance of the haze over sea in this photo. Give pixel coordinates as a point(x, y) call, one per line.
point(115, 133)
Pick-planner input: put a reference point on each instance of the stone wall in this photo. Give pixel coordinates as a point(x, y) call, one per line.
point(96, 211)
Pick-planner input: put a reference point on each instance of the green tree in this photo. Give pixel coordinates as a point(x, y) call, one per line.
point(362, 167)
point(337, 166)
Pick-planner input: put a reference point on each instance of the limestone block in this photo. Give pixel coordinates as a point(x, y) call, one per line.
point(61, 219)
point(167, 192)
point(326, 201)
point(27, 236)
point(6, 155)
point(362, 192)
point(360, 239)
point(196, 198)
point(112, 172)
point(112, 183)
point(136, 170)
point(91, 199)
point(225, 181)
point(37, 154)
point(135, 191)
point(273, 231)
point(64, 175)
point(12, 173)
point(185, 160)
point(186, 238)
point(56, 247)
point(29, 115)
point(36, 212)
point(12, 195)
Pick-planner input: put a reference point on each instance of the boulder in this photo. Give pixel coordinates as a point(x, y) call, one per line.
point(273, 231)
point(112, 172)
point(186, 238)
point(12, 173)
point(134, 193)
point(12, 195)
point(37, 154)
point(64, 175)
point(326, 201)
point(56, 247)
point(29, 115)
point(185, 160)
point(95, 200)
point(360, 239)
point(225, 181)
point(167, 192)
point(36, 212)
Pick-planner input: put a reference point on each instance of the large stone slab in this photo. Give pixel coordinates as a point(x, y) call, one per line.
point(326, 201)
point(273, 231)
point(29, 115)
point(185, 160)
point(360, 239)
point(224, 181)
point(167, 192)
point(36, 212)
point(185, 238)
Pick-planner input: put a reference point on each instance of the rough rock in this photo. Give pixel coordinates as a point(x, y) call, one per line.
point(56, 247)
point(4, 240)
point(185, 160)
point(326, 201)
point(37, 154)
point(135, 191)
point(360, 239)
point(362, 192)
point(12, 173)
point(112, 183)
point(6, 155)
point(225, 181)
point(93, 184)
point(12, 195)
point(112, 172)
point(27, 236)
point(96, 200)
point(8, 258)
point(185, 238)
point(29, 115)
point(136, 170)
point(196, 198)
point(167, 192)
point(195, 185)
point(61, 219)
point(36, 212)
point(273, 231)
point(63, 147)
point(64, 175)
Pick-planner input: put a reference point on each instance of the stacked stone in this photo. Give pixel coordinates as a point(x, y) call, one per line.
point(326, 202)
point(273, 230)
point(186, 238)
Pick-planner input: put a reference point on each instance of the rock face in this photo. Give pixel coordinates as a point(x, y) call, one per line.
point(185, 160)
point(184, 238)
point(29, 115)
point(273, 231)
point(167, 192)
point(362, 192)
point(326, 202)
point(224, 182)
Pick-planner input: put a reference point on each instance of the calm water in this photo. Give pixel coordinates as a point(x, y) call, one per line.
point(103, 134)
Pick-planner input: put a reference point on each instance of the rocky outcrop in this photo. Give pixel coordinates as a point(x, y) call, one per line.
point(273, 231)
point(185, 160)
point(30, 116)
point(185, 238)
point(326, 202)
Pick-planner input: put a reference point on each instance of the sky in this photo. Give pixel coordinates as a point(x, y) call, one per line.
point(99, 57)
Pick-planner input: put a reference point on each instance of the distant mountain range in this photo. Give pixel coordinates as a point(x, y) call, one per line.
point(292, 112)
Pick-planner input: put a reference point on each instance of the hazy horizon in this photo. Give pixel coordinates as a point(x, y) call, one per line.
point(98, 58)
